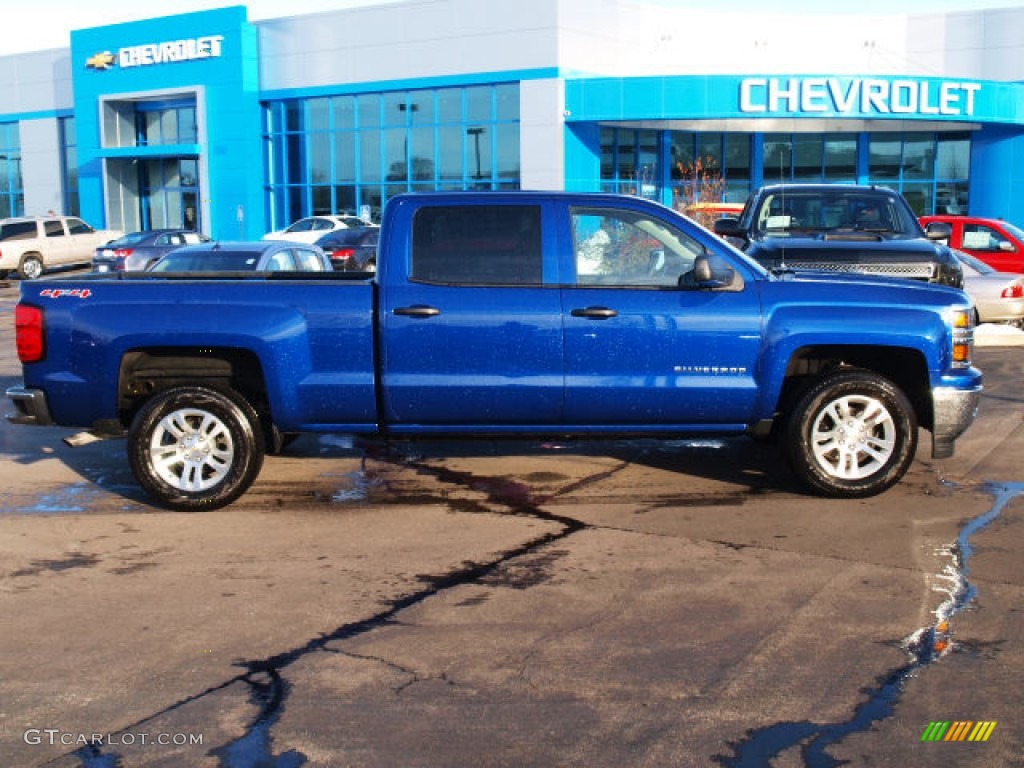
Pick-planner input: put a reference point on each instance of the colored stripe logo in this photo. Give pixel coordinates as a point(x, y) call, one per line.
point(959, 730)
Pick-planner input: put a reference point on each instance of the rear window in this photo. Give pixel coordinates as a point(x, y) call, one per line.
point(131, 239)
point(477, 245)
point(209, 261)
point(18, 230)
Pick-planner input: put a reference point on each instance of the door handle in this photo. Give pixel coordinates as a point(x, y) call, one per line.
point(594, 313)
point(417, 310)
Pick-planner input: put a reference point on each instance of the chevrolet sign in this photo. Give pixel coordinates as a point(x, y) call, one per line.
point(192, 49)
point(864, 96)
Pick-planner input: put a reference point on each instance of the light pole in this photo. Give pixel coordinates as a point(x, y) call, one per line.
point(411, 107)
point(475, 133)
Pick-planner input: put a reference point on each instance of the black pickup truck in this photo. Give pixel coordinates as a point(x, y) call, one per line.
point(840, 228)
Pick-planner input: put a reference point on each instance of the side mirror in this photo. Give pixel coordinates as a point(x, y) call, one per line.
point(1006, 245)
point(704, 277)
point(729, 226)
point(938, 230)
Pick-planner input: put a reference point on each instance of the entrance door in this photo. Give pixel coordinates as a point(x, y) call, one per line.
point(169, 193)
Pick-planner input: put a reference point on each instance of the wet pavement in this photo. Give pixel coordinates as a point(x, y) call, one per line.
point(498, 604)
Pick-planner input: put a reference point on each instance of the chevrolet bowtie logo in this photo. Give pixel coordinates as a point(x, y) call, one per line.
point(103, 60)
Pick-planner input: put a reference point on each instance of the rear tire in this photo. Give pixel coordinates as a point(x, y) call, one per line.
point(851, 434)
point(195, 448)
point(31, 267)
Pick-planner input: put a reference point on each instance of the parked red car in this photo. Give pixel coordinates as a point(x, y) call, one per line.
point(996, 242)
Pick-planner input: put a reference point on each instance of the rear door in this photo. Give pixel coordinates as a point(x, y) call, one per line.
point(641, 350)
point(470, 317)
point(57, 244)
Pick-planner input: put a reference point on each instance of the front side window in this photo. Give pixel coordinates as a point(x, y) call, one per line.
point(978, 237)
point(477, 245)
point(78, 227)
point(624, 248)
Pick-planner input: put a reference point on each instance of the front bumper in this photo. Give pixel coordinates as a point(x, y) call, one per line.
point(30, 407)
point(954, 411)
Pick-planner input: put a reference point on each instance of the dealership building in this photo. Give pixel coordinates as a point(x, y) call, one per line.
point(238, 126)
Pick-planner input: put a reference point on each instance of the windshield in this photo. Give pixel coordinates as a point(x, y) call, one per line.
point(796, 212)
point(1014, 230)
point(976, 264)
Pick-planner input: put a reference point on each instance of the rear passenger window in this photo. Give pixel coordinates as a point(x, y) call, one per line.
point(477, 245)
point(53, 228)
point(308, 261)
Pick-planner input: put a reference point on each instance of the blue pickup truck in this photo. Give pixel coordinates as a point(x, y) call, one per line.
point(503, 314)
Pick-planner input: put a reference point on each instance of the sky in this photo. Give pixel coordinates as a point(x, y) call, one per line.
point(34, 25)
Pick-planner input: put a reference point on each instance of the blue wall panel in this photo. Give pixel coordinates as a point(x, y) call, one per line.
point(212, 52)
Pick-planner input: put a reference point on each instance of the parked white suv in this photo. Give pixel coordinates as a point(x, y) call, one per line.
point(32, 244)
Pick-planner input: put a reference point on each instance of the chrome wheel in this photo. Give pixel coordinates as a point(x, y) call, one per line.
point(853, 437)
point(191, 450)
point(31, 268)
point(851, 434)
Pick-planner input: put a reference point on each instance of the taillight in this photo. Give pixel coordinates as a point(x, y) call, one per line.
point(28, 333)
point(121, 254)
point(1015, 291)
point(342, 254)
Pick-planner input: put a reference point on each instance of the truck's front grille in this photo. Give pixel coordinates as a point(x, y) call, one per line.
point(913, 271)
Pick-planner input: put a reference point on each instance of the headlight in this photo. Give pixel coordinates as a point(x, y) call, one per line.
point(962, 322)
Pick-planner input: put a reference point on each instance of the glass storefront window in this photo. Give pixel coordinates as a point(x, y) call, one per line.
point(953, 156)
point(919, 195)
point(319, 157)
point(919, 157)
point(840, 160)
point(369, 110)
point(885, 156)
point(929, 170)
point(737, 159)
point(354, 145)
point(319, 115)
point(344, 111)
point(778, 158)
point(681, 151)
point(808, 157)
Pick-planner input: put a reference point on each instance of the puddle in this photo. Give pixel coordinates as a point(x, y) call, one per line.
point(923, 646)
point(360, 484)
point(268, 690)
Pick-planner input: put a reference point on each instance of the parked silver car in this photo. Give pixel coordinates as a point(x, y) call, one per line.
point(136, 251)
point(998, 296)
point(263, 256)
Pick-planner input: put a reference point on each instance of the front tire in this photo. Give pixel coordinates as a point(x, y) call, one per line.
point(851, 434)
point(195, 448)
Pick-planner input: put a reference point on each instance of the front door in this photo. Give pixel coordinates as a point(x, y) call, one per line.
point(642, 350)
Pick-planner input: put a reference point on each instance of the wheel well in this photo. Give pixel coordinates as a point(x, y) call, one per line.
point(905, 367)
point(145, 372)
